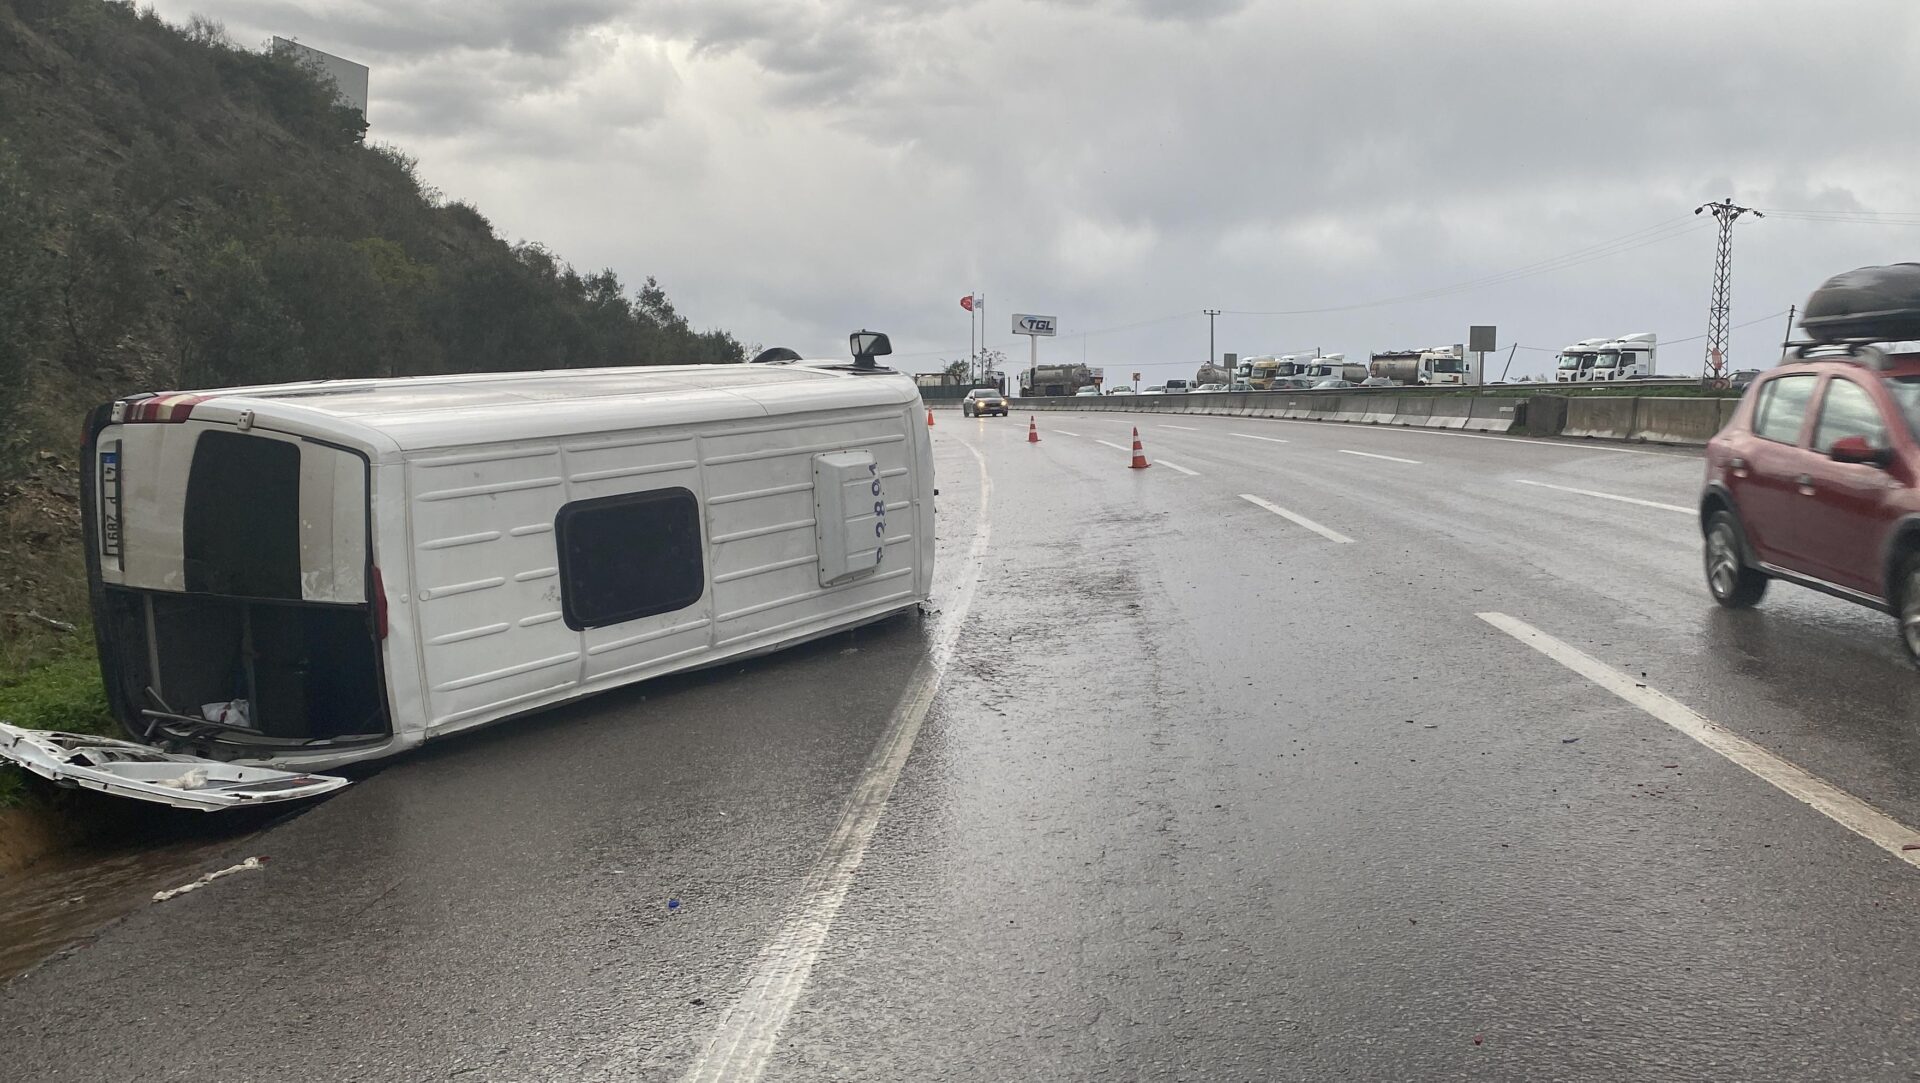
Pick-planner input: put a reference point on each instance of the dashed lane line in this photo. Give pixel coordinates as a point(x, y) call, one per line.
point(1371, 455)
point(1177, 466)
point(1250, 436)
point(1113, 445)
point(1330, 535)
point(1182, 428)
point(1063, 432)
point(1606, 496)
point(1817, 793)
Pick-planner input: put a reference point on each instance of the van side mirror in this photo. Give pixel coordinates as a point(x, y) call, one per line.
point(1855, 449)
point(868, 345)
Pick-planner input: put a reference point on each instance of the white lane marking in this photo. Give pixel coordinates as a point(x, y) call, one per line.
point(1371, 455)
point(1182, 428)
point(1330, 535)
point(1607, 496)
point(1250, 436)
point(1177, 466)
point(1113, 445)
point(1822, 796)
point(1064, 432)
point(740, 1049)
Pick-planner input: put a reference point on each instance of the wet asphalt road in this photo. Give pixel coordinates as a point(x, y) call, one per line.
point(1203, 795)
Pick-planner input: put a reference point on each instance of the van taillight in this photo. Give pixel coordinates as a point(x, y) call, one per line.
point(161, 408)
point(379, 605)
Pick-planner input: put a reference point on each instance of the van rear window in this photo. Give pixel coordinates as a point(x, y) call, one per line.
point(240, 530)
point(629, 556)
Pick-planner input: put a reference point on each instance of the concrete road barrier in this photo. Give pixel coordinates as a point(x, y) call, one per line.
point(1414, 410)
point(1492, 414)
point(1450, 412)
point(1600, 417)
point(1381, 409)
point(1676, 420)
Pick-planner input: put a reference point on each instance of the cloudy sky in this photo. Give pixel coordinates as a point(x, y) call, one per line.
point(794, 169)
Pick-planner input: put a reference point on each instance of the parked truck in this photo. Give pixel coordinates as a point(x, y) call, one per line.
point(1211, 373)
point(1416, 368)
point(1626, 357)
point(1577, 361)
point(1331, 366)
point(1055, 380)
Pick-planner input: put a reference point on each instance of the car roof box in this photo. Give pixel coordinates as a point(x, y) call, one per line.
point(1874, 304)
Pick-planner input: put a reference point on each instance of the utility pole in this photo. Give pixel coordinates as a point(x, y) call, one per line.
point(1792, 310)
point(1211, 313)
point(1726, 212)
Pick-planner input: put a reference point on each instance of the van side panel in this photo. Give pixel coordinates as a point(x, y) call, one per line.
point(484, 592)
point(760, 515)
point(486, 589)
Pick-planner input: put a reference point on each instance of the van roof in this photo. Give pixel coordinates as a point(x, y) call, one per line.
point(448, 410)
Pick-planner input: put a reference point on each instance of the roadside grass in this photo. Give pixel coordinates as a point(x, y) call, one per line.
point(62, 693)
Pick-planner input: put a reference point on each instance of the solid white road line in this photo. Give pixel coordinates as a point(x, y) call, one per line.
point(1371, 455)
point(1607, 496)
point(1330, 535)
point(1064, 432)
point(740, 1049)
point(1182, 428)
point(1113, 445)
point(1824, 797)
point(1177, 466)
point(1250, 436)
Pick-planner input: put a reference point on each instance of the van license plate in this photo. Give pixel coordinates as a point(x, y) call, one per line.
point(110, 500)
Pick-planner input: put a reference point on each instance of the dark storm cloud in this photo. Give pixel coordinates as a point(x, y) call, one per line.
point(1116, 160)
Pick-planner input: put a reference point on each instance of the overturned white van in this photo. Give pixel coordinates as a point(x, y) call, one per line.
point(308, 575)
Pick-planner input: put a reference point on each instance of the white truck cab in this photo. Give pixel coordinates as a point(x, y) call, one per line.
point(1626, 357)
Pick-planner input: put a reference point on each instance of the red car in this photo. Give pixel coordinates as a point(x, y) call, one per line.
point(1816, 481)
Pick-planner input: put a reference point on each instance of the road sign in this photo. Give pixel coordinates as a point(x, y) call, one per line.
point(1480, 339)
point(1136, 378)
point(1043, 326)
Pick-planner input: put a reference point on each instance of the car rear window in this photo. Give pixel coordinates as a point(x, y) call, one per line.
point(1783, 408)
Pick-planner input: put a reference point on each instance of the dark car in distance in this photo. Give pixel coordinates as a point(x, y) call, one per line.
point(982, 401)
point(1816, 481)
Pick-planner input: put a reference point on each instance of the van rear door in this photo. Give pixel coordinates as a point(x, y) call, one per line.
point(143, 773)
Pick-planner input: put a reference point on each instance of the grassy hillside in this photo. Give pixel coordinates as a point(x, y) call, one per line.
point(176, 212)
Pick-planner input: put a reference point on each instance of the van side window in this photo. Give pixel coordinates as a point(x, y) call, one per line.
point(240, 528)
point(629, 556)
point(1848, 410)
point(1782, 408)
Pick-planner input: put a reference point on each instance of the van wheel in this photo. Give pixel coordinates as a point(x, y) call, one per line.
point(1734, 584)
point(1909, 611)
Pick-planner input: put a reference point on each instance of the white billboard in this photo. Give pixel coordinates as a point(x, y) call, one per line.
point(1043, 326)
point(349, 79)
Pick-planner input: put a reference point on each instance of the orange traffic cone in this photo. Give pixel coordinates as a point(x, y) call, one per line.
point(929, 417)
point(1033, 431)
point(1139, 456)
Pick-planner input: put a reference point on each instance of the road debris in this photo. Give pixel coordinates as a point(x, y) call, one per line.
point(250, 863)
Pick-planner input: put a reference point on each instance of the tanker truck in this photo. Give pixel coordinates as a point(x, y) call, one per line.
point(1055, 380)
point(1330, 366)
point(1412, 368)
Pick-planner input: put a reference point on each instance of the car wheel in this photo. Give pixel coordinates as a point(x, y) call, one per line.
point(1734, 584)
point(1909, 611)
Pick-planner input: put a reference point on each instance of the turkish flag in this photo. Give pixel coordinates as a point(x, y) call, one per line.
point(967, 302)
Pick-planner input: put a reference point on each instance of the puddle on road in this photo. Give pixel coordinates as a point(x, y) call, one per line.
point(68, 896)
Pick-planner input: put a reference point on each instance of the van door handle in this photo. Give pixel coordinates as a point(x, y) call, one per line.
point(1738, 465)
point(1805, 481)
